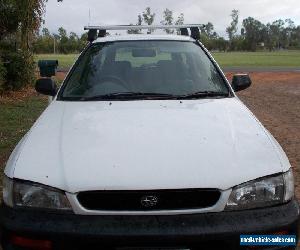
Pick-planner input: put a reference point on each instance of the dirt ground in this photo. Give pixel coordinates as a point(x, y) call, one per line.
point(275, 99)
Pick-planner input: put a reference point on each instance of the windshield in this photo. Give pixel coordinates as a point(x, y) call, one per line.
point(143, 68)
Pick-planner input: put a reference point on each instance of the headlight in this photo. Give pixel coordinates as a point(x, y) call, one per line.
point(7, 191)
point(27, 194)
point(268, 191)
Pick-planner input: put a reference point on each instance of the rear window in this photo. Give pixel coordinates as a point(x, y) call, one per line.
point(163, 67)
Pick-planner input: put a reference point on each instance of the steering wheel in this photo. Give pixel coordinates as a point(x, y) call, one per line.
point(114, 79)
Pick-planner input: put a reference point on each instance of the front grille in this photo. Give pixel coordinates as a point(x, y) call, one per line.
point(149, 200)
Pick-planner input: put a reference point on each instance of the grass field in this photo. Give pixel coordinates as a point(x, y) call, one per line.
point(16, 117)
point(65, 61)
point(259, 59)
point(225, 59)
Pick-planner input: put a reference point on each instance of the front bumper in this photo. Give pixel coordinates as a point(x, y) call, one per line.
point(204, 231)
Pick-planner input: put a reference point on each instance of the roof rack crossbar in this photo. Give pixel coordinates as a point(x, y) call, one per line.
point(101, 30)
point(141, 27)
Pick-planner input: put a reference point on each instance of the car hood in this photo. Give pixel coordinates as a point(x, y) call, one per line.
point(137, 145)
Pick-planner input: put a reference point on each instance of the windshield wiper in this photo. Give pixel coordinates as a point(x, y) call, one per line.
point(153, 96)
point(128, 95)
point(203, 94)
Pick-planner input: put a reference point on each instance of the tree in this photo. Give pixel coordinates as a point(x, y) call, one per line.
point(252, 33)
point(46, 32)
point(83, 41)
point(139, 23)
point(9, 18)
point(279, 32)
point(2, 76)
point(63, 40)
point(180, 21)
point(221, 44)
point(295, 37)
point(277, 35)
point(44, 42)
point(270, 38)
point(209, 36)
point(168, 20)
point(148, 18)
point(62, 33)
point(209, 30)
point(22, 16)
point(290, 27)
point(31, 12)
point(19, 21)
point(73, 43)
point(140, 20)
point(232, 29)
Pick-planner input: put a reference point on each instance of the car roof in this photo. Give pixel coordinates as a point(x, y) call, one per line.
point(112, 38)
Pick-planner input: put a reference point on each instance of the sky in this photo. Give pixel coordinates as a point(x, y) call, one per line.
point(74, 14)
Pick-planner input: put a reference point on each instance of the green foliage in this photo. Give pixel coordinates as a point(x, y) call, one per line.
point(279, 34)
point(214, 43)
point(232, 29)
point(168, 20)
point(273, 36)
point(44, 43)
point(62, 43)
point(21, 17)
point(2, 76)
point(221, 44)
point(16, 118)
point(253, 33)
point(148, 17)
point(9, 18)
point(19, 21)
point(179, 21)
point(63, 40)
point(30, 13)
point(135, 31)
point(19, 67)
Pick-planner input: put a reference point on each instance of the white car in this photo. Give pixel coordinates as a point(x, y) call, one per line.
point(146, 145)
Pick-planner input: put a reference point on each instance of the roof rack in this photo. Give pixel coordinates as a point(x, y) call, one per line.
point(101, 31)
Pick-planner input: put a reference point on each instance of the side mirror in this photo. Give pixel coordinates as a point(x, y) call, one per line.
point(46, 86)
point(241, 82)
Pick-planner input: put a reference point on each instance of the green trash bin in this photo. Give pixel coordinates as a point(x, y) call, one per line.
point(48, 67)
